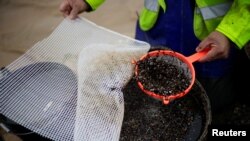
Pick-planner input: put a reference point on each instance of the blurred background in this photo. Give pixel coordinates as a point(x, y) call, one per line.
point(25, 22)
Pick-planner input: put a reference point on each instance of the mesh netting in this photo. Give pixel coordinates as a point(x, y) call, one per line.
point(68, 86)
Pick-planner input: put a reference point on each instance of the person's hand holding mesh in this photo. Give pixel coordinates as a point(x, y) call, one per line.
point(71, 8)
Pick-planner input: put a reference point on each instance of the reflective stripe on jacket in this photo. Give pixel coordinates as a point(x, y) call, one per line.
point(149, 13)
point(207, 18)
point(232, 18)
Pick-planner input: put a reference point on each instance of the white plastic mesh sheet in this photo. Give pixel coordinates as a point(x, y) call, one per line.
point(68, 86)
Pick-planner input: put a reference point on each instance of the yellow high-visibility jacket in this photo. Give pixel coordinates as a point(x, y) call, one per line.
point(230, 17)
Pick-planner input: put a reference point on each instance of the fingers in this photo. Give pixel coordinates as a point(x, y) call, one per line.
point(71, 8)
point(219, 44)
point(216, 52)
point(65, 8)
point(207, 43)
point(73, 13)
point(211, 55)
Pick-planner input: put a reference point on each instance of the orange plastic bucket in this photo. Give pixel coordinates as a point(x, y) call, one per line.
point(187, 60)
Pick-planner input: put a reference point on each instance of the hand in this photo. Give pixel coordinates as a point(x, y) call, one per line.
point(71, 8)
point(219, 44)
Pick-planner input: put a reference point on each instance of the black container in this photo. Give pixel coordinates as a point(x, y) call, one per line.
point(146, 118)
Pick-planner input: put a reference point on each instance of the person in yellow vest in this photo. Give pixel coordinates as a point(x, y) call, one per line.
point(187, 26)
